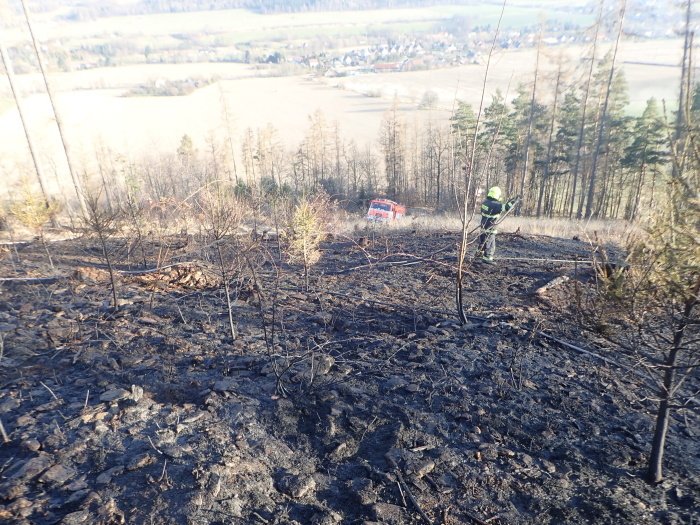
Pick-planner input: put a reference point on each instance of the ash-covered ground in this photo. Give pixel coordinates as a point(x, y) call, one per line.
point(360, 400)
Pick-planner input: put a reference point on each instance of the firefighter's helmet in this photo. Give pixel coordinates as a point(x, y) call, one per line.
point(494, 193)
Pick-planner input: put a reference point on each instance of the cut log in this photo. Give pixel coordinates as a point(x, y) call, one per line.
point(551, 284)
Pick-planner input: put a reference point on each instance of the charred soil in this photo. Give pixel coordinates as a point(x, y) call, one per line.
point(359, 400)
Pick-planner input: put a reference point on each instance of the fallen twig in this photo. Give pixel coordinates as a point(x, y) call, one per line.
point(403, 496)
point(577, 349)
point(154, 447)
point(157, 269)
point(445, 513)
point(388, 304)
point(380, 264)
point(50, 391)
point(50, 280)
point(162, 474)
point(5, 438)
point(407, 490)
point(410, 260)
point(367, 429)
point(475, 519)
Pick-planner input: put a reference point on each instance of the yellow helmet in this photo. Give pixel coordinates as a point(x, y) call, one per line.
point(494, 193)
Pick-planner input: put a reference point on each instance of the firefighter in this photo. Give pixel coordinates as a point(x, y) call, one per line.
point(491, 210)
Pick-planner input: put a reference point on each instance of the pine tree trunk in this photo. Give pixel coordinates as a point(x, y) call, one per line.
point(655, 466)
point(548, 160)
point(603, 116)
point(680, 116)
point(528, 138)
point(584, 106)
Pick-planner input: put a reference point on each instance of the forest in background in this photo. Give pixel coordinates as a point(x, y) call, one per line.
point(565, 142)
point(544, 152)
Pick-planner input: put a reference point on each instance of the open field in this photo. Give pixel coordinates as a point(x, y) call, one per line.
point(98, 116)
point(650, 69)
point(244, 25)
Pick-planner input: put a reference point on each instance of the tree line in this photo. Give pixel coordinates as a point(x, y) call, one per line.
point(544, 152)
point(565, 141)
point(565, 158)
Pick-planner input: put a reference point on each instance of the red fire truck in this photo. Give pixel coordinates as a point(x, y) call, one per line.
point(385, 210)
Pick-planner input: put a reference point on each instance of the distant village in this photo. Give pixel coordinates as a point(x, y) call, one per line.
point(449, 46)
point(440, 50)
point(412, 54)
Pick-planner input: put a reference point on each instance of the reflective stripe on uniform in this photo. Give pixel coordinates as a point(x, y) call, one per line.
point(485, 212)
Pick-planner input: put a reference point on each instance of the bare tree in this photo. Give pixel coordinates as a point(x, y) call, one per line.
point(468, 179)
point(229, 132)
point(32, 148)
point(59, 124)
point(134, 212)
point(221, 214)
point(102, 222)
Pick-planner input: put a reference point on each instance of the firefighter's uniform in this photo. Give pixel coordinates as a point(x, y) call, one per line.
point(491, 210)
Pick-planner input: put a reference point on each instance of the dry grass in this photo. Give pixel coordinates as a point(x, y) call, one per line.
point(609, 231)
point(606, 230)
point(565, 228)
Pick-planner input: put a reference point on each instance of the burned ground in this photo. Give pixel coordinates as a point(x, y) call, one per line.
point(361, 400)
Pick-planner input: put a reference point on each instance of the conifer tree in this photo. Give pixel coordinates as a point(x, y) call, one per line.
point(645, 157)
